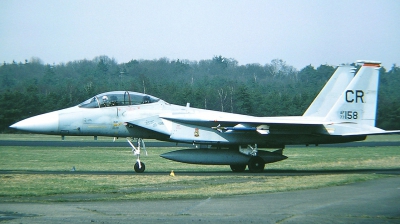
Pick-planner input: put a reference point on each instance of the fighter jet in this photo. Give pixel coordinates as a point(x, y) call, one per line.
point(344, 111)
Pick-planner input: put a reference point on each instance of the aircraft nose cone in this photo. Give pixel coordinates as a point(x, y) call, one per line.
point(44, 123)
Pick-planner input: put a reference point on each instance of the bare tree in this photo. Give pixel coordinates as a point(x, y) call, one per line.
point(231, 90)
point(222, 96)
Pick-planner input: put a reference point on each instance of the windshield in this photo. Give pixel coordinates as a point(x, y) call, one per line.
point(118, 98)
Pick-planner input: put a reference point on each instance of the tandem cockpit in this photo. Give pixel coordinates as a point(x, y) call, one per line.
point(118, 98)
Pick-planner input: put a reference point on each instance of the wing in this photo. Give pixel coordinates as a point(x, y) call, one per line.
point(179, 126)
point(229, 123)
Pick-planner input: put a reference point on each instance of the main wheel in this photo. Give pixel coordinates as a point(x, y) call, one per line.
point(238, 168)
point(141, 169)
point(256, 164)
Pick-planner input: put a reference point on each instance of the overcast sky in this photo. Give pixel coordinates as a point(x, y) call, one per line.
point(300, 32)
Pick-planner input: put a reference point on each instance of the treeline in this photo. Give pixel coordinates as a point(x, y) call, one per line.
point(273, 89)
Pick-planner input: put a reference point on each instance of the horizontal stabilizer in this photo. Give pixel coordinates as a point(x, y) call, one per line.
point(349, 129)
point(383, 132)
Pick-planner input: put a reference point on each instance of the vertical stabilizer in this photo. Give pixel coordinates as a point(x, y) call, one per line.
point(331, 92)
point(358, 102)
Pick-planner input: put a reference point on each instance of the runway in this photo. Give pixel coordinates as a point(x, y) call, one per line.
point(376, 201)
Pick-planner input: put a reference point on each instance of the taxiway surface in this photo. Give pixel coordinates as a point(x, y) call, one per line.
point(376, 201)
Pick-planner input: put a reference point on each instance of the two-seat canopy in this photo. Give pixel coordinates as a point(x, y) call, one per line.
point(118, 98)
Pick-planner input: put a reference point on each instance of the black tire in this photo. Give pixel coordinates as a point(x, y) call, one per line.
point(238, 168)
point(139, 170)
point(256, 164)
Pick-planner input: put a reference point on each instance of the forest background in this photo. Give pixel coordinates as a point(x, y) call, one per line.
point(274, 89)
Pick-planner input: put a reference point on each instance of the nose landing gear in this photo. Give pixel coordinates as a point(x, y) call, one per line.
point(139, 166)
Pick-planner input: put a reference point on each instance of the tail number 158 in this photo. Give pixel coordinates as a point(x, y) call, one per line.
point(348, 115)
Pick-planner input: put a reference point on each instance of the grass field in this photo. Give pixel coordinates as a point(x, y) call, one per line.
point(311, 167)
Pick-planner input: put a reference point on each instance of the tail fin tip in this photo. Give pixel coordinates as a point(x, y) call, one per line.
point(369, 63)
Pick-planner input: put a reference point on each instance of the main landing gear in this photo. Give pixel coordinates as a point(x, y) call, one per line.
point(139, 166)
point(238, 168)
point(256, 164)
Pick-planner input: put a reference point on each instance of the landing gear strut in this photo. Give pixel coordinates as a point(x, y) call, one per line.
point(139, 166)
point(256, 163)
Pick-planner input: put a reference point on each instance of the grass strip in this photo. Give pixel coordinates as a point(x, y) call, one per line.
point(306, 168)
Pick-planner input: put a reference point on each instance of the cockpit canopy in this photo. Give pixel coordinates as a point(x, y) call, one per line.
point(118, 98)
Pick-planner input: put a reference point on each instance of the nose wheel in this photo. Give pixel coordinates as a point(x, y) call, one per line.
point(139, 166)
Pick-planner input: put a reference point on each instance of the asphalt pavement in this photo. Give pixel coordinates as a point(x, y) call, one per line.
point(375, 201)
